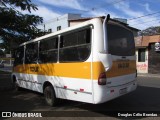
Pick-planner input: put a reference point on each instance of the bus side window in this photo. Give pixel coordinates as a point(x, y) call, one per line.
point(84, 39)
point(31, 53)
point(76, 46)
point(61, 42)
point(84, 36)
point(48, 50)
point(19, 56)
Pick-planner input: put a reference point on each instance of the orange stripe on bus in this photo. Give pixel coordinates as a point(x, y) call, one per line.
point(75, 70)
point(123, 70)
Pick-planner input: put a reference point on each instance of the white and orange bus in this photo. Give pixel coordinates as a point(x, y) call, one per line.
point(91, 62)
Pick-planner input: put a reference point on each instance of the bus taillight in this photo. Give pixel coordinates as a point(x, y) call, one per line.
point(102, 79)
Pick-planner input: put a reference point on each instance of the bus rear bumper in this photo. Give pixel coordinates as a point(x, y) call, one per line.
point(109, 93)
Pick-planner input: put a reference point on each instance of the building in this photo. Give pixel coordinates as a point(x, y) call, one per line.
point(58, 23)
point(148, 54)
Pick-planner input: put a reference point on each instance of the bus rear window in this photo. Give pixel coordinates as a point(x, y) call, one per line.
point(120, 41)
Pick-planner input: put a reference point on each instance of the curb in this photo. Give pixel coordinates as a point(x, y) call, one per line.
point(149, 75)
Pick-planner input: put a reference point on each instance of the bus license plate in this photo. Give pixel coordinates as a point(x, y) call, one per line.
point(123, 91)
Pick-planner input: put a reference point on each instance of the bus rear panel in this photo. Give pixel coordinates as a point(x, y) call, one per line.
point(115, 69)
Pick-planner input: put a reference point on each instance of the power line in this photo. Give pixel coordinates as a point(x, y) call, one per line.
point(131, 19)
point(146, 22)
point(143, 16)
point(140, 19)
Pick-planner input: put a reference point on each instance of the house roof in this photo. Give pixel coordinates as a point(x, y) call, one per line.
point(143, 41)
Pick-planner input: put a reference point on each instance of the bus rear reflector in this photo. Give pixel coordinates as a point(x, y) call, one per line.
point(81, 90)
point(111, 91)
point(102, 79)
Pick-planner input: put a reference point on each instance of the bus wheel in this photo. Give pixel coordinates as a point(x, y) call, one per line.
point(50, 96)
point(16, 86)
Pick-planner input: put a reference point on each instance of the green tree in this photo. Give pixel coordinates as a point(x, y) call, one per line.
point(15, 27)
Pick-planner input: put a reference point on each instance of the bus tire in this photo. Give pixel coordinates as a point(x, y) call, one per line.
point(50, 96)
point(16, 86)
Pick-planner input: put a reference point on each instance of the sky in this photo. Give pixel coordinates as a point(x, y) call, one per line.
point(127, 9)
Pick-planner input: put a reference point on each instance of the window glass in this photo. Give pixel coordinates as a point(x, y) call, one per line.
point(48, 50)
point(31, 53)
point(18, 56)
point(120, 41)
point(70, 40)
point(141, 55)
point(58, 28)
point(75, 46)
point(49, 44)
point(79, 53)
point(84, 37)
